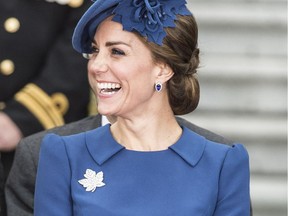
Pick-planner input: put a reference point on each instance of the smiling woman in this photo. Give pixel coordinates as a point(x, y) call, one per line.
point(143, 58)
point(121, 58)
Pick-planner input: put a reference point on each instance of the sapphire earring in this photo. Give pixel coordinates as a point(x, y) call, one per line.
point(158, 86)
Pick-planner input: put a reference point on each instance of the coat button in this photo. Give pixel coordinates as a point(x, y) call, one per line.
point(75, 3)
point(7, 67)
point(12, 25)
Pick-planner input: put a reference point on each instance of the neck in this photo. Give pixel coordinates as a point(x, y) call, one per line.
point(147, 133)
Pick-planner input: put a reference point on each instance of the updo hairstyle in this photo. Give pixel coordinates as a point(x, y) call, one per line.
point(180, 51)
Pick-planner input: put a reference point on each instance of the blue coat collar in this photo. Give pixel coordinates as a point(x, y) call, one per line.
point(102, 146)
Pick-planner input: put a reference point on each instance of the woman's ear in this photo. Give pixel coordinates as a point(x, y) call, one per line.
point(165, 73)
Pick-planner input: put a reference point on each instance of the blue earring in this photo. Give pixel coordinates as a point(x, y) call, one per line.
point(158, 86)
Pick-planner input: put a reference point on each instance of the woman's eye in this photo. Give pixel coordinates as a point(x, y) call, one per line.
point(117, 52)
point(95, 50)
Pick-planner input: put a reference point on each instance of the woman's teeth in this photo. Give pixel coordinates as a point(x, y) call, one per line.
point(108, 88)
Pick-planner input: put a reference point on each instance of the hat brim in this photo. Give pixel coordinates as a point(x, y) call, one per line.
point(85, 29)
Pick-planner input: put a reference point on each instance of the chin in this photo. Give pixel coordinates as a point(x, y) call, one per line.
point(104, 110)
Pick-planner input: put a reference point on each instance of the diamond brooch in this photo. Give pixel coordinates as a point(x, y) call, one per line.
point(92, 180)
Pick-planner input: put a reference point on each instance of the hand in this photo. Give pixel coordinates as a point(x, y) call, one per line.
point(10, 134)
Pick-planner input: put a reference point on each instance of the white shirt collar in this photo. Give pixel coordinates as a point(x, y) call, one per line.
point(104, 120)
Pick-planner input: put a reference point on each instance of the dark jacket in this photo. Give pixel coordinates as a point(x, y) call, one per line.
point(43, 81)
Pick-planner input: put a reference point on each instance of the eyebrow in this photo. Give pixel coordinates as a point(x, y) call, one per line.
point(116, 43)
point(112, 43)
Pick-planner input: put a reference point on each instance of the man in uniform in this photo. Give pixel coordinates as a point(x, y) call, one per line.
point(43, 81)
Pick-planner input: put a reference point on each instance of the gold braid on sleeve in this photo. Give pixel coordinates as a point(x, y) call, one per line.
point(48, 110)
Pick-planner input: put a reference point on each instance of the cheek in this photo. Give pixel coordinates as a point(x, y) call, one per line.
point(90, 76)
point(92, 81)
point(143, 81)
point(89, 69)
point(90, 73)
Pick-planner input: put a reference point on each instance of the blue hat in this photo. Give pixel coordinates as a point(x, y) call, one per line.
point(147, 17)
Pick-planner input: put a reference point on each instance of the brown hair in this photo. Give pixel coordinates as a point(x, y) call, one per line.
point(180, 51)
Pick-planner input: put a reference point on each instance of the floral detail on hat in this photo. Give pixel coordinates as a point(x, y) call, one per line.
point(149, 17)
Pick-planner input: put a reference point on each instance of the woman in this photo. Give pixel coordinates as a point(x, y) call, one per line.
point(143, 58)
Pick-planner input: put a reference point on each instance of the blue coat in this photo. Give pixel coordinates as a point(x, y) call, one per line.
point(91, 174)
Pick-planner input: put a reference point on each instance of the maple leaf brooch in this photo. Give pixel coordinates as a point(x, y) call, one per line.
point(92, 180)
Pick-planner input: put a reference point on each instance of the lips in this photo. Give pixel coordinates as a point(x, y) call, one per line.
point(108, 88)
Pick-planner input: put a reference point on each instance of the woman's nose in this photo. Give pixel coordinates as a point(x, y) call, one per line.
point(98, 64)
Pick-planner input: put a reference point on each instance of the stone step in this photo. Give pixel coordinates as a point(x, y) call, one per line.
point(243, 126)
point(265, 138)
point(243, 67)
point(243, 1)
point(252, 96)
point(249, 28)
point(243, 41)
point(267, 159)
point(269, 195)
point(240, 13)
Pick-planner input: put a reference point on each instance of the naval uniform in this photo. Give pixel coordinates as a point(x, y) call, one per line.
point(43, 81)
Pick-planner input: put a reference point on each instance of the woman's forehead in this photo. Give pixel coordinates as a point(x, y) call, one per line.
point(109, 31)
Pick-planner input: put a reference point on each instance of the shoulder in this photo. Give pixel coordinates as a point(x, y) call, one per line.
point(213, 142)
point(69, 149)
point(203, 132)
point(67, 129)
point(227, 154)
point(32, 143)
point(211, 153)
point(58, 138)
point(72, 142)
